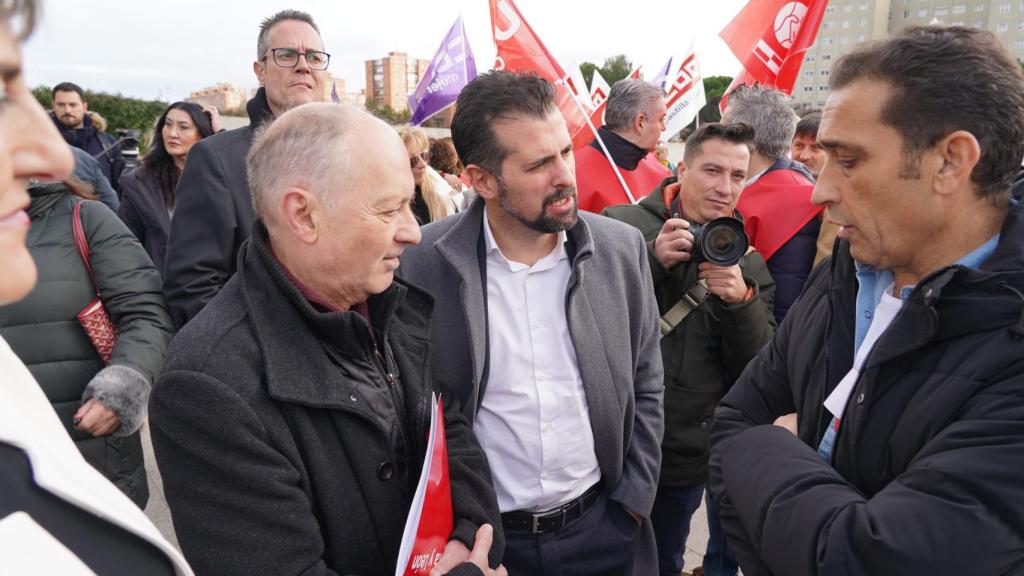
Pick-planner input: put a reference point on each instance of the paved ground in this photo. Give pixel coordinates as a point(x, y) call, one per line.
point(156, 508)
point(158, 512)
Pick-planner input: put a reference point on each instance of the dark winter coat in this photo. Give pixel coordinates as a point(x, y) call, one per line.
point(706, 352)
point(273, 460)
point(926, 475)
point(44, 332)
point(144, 212)
point(213, 215)
point(790, 266)
point(97, 144)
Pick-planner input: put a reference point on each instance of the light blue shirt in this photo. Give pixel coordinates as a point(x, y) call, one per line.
point(872, 283)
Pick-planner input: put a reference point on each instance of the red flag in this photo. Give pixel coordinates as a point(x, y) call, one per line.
point(770, 37)
point(597, 117)
point(430, 521)
point(520, 50)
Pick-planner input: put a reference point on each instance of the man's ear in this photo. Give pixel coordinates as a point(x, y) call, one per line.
point(956, 155)
point(638, 122)
point(485, 184)
point(260, 70)
point(85, 106)
point(680, 170)
point(301, 213)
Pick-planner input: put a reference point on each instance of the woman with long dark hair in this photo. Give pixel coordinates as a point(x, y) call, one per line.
point(147, 193)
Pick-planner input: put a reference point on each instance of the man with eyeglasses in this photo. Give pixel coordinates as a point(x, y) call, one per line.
point(213, 212)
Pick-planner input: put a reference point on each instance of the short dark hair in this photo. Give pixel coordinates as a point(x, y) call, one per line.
point(944, 79)
point(734, 133)
point(68, 87)
point(20, 16)
point(490, 97)
point(268, 23)
point(808, 125)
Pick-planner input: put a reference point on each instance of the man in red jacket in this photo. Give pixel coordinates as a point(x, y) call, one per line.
point(633, 122)
point(778, 215)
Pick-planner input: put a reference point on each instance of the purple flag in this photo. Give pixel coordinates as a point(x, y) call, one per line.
point(662, 78)
point(449, 72)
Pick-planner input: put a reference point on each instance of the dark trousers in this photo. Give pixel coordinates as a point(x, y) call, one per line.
point(718, 559)
point(605, 541)
point(673, 511)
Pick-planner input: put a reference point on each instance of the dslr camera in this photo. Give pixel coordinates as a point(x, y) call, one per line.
point(721, 241)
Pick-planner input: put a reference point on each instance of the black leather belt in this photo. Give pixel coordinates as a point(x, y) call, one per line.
point(551, 520)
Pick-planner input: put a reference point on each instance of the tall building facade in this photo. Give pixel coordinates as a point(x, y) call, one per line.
point(390, 80)
point(848, 23)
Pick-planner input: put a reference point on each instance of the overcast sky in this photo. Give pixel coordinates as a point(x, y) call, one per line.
point(166, 49)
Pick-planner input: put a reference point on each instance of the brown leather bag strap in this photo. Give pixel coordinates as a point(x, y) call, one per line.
point(82, 244)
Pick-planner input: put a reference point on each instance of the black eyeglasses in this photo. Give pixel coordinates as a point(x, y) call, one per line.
point(415, 159)
point(289, 58)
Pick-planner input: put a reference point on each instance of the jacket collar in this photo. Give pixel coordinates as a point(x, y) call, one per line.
point(459, 247)
point(954, 301)
point(626, 154)
point(292, 334)
point(258, 109)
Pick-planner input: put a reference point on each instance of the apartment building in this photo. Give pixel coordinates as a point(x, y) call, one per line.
point(848, 23)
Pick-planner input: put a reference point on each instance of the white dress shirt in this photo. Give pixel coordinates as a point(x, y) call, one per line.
point(888, 307)
point(533, 423)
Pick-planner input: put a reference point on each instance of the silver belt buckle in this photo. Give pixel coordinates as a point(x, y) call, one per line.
point(535, 528)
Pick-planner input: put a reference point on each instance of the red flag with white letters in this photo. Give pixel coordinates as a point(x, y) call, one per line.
point(770, 38)
point(520, 50)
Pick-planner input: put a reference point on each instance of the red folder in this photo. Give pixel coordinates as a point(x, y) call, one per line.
point(430, 520)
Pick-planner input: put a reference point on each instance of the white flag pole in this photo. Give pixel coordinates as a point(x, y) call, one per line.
point(604, 148)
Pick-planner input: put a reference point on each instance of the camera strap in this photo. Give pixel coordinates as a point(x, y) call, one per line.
point(692, 299)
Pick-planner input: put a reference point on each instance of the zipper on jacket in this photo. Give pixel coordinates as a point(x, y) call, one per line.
point(396, 396)
point(819, 432)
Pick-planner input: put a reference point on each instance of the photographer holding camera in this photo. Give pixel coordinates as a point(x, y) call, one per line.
point(715, 301)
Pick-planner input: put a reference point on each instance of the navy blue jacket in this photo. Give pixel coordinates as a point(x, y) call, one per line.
point(97, 144)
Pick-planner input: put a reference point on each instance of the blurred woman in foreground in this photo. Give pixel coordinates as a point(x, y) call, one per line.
point(58, 515)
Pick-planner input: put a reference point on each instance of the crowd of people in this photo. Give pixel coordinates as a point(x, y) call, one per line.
point(280, 301)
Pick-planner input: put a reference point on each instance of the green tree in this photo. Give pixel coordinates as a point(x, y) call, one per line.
point(587, 69)
point(714, 88)
point(119, 111)
point(387, 113)
point(616, 68)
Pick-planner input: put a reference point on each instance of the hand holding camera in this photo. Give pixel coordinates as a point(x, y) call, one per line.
point(674, 242)
point(726, 282)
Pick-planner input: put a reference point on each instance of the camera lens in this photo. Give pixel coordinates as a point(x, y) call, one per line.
point(724, 242)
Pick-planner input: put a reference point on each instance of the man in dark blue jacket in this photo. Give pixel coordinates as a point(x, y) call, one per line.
point(880, 432)
point(71, 116)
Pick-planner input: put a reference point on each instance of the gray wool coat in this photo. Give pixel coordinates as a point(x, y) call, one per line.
point(613, 322)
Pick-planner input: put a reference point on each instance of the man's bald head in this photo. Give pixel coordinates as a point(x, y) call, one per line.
point(320, 147)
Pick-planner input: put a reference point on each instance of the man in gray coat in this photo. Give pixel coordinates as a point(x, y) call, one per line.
point(545, 336)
